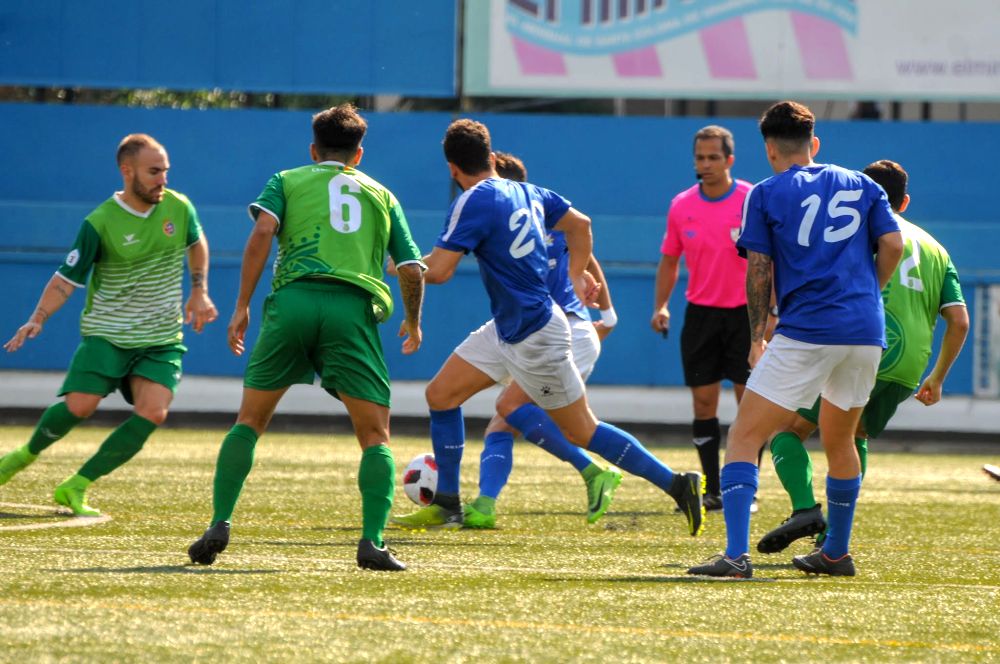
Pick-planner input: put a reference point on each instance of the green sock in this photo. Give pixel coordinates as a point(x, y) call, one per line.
point(794, 468)
point(123, 444)
point(862, 445)
point(377, 483)
point(590, 472)
point(231, 470)
point(55, 423)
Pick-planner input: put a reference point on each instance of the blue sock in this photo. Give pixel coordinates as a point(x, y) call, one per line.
point(739, 484)
point(622, 449)
point(841, 498)
point(448, 441)
point(535, 425)
point(495, 463)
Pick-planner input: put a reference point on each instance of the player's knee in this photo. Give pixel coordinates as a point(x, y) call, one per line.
point(156, 415)
point(498, 425)
point(439, 397)
point(81, 407)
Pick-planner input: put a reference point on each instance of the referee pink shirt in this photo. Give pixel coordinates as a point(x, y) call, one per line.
point(705, 230)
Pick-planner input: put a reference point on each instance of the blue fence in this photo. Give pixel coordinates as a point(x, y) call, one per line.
point(623, 172)
point(295, 46)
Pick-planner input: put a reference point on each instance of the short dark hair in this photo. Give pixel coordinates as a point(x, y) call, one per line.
point(467, 146)
point(891, 177)
point(510, 167)
point(338, 131)
point(789, 125)
point(132, 144)
point(723, 134)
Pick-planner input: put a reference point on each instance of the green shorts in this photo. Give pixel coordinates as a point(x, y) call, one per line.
point(100, 367)
point(882, 404)
point(320, 327)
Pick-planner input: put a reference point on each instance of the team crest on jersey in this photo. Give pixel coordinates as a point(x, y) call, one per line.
point(168, 228)
point(734, 233)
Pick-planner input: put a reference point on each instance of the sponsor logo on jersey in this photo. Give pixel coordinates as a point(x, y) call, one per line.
point(72, 257)
point(168, 228)
point(130, 239)
point(690, 233)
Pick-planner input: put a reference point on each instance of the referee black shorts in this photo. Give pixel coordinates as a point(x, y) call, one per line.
point(715, 343)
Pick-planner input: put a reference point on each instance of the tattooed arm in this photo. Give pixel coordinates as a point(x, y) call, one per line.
point(56, 292)
point(758, 301)
point(411, 287)
point(199, 309)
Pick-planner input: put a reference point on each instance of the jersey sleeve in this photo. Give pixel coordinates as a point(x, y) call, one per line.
point(271, 200)
point(85, 252)
point(755, 234)
point(951, 289)
point(672, 244)
point(194, 231)
point(466, 225)
point(401, 247)
point(881, 219)
point(555, 207)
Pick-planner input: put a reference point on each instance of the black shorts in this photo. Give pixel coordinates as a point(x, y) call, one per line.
point(715, 343)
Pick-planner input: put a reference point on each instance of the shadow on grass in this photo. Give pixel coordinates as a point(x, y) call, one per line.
point(756, 566)
point(394, 540)
point(582, 513)
point(688, 578)
point(164, 569)
point(34, 517)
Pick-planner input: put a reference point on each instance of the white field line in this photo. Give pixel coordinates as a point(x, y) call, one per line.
point(70, 522)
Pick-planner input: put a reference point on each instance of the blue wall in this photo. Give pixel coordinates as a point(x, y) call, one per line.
point(305, 46)
point(59, 163)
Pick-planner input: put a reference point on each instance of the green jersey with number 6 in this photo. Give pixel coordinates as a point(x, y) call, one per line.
point(336, 222)
point(924, 283)
point(135, 291)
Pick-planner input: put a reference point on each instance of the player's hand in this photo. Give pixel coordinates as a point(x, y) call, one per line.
point(237, 329)
point(586, 288)
point(660, 322)
point(756, 351)
point(929, 392)
point(390, 267)
point(412, 337)
point(199, 310)
point(29, 330)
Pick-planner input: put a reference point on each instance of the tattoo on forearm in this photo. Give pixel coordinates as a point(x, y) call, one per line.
point(40, 315)
point(411, 287)
point(197, 279)
point(758, 293)
point(65, 290)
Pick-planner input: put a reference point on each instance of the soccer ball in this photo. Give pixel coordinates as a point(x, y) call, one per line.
point(420, 479)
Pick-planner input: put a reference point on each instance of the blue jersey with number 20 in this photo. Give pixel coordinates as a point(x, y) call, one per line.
point(820, 225)
point(503, 223)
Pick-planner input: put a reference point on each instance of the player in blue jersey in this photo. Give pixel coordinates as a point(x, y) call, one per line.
point(497, 457)
point(816, 226)
point(503, 223)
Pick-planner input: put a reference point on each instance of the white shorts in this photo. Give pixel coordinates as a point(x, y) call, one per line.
point(793, 373)
point(585, 343)
point(542, 363)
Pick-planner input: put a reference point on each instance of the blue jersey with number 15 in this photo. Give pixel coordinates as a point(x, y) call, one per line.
point(820, 225)
point(503, 223)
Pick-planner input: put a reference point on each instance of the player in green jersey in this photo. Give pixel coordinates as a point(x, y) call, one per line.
point(132, 247)
point(334, 225)
point(924, 285)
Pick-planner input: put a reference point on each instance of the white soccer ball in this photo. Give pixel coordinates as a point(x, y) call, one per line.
point(420, 479)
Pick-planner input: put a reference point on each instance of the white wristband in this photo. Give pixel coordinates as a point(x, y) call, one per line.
point(608, 317)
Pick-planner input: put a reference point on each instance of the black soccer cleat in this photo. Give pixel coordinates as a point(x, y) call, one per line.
point(372, 557)
point(688, 489)
point(818, 563)
point(802, 523)
point(211, 544)
point(712, 502)
point(720, 565)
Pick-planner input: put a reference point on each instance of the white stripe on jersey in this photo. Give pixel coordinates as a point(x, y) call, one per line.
point(746, 201)
point(457, 212)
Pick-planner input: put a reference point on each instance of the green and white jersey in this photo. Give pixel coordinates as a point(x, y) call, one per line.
point(336, 223)
point(924, 283)
point(134, 294)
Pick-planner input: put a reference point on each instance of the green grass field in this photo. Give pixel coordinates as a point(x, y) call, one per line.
point(543, 587)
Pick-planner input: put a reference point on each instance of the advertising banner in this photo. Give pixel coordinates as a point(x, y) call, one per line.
point(922, 49)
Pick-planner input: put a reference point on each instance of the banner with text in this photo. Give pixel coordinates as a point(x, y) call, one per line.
point(923, 49)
